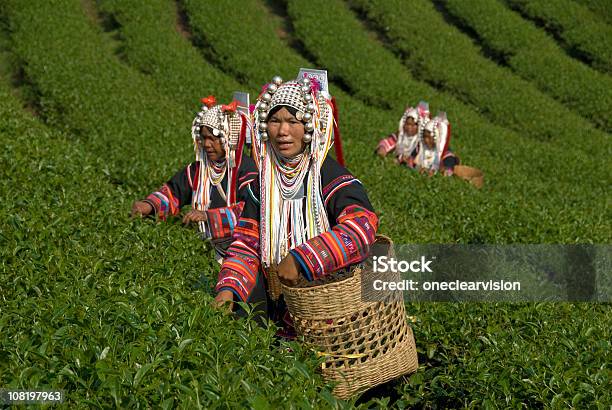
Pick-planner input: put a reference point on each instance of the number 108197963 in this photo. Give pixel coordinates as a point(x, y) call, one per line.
point(30, 396)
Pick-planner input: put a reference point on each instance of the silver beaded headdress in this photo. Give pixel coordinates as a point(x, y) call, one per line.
point(405, 143)
point(210, 115)
point(303, 96)
point(420, 114)
point(224, 121)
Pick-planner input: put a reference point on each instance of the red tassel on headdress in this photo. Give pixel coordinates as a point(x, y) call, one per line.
point(230, 107)
point(337, 138)
point(209, 101)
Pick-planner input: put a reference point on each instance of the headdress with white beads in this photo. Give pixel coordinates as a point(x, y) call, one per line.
point(440, 128)
point(407, 143)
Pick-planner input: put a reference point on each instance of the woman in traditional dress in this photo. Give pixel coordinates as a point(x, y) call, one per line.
point(215, 185)
point(307, 217)
point(432, 152)
point(404, 142)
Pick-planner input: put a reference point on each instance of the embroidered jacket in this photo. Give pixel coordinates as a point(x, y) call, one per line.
point(178, 192)
point(350, 215)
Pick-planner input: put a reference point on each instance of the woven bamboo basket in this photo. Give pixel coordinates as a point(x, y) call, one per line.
point(364, 343)
point(473, 175)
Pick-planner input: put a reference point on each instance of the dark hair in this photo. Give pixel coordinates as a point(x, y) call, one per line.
point(276, 109)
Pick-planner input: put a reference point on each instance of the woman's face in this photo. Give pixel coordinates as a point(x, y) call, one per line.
point(211, 144)
point(286, 133)
point(428, 139)
point(410, 127)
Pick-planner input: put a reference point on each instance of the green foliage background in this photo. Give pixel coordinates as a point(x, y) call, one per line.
point(96, 100)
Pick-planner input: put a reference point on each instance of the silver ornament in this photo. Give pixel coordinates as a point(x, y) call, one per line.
point(262, 106)
point(307, 98)
point(215, 132)
point(222, 139)
point(266, 97)
point(310, 107)
point(277, 80)
point(307, 138)
point(263, 126)
point(263, 115)
point(309, 126)
point(264, 136)
point(306, 81)
point(272, 88)
point(299, 115)
point(305, 89)
point(307, 117)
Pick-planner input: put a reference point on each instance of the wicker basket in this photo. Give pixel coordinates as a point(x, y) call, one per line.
point(365, 343)
point(473, 175)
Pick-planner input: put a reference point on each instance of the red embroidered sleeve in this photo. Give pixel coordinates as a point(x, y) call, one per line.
point(164, 202)
point(346, 244)
point(387, 144)
point(222, 221)
point(241, 265)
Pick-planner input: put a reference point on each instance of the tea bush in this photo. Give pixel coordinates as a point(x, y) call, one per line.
point(580, 29)
point(536, 57)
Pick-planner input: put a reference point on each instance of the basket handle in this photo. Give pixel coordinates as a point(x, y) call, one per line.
point(274, 283)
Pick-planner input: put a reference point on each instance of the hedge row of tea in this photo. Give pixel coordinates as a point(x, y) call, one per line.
point(581, 30)
point(600, 7)
point(116, 312)
point(442, 55)
point(536, 57)
point(150, 43)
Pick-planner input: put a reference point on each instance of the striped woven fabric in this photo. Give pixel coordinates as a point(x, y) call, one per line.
point(387, 144)
point(221, 221)
point(240, 267)
point(346, 244)
point(164, 202)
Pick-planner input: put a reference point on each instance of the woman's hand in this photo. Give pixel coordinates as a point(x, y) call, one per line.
point(141, 208)
point(224, 299)
point(194, 216)
point(288, 271)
